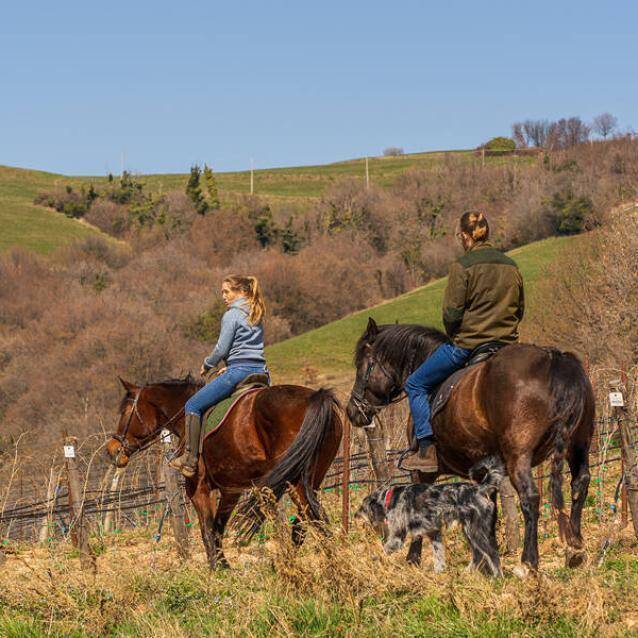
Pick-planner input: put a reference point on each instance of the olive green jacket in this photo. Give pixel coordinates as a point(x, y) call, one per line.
point(484, 298)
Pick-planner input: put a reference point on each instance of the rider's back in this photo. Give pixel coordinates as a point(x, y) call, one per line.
point(484, 299)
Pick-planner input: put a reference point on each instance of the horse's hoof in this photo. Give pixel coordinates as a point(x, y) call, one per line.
point(522, 571)
point(574, 557)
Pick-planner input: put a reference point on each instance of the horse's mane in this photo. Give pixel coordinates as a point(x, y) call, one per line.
point(175, 382)
point(403, 346)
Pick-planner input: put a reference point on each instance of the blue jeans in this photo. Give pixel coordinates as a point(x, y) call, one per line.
point(220, 388)
point(445, 360)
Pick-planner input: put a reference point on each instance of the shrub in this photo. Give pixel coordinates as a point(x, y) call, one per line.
point(569, 214)
point(500, 144)
point(392, 151)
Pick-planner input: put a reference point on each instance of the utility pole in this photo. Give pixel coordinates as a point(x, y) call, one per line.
point(252, 177)
point(367, 174)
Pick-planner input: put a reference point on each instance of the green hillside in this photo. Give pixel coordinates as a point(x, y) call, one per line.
point(22, 223)
point(329, 349)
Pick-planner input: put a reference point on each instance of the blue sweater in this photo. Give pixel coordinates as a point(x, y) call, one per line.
point(239, 342)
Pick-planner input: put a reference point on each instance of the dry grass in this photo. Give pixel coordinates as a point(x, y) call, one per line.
point(341, 586)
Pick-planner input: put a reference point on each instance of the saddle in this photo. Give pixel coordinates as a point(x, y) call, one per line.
point(217, 415)
point(443, 392)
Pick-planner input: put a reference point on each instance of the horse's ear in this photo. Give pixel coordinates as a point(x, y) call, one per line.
point(372, 330)
point(128, 386)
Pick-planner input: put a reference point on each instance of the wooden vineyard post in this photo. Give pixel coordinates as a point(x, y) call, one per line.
point(110, 502)
point(510, 514)
point(79, 533)
point(375, 436)
point(629, 460)
point(345, 476)
point(172, 492)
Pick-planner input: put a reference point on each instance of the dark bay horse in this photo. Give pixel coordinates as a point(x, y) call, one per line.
point(525, 403)
point(281, 435)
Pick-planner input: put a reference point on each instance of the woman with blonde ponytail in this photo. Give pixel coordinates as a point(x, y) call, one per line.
point(241, 346)
point(483, 304)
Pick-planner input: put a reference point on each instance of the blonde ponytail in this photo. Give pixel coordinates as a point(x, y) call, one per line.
point(475, 225)
point(250, 288)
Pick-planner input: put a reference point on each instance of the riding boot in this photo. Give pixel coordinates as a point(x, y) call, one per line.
point(186, 463)
point(424, 460)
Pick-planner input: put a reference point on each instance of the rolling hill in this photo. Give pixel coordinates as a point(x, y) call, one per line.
point(22, 223)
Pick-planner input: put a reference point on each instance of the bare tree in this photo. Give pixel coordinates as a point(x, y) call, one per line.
point(576, 131)
point(536, 132)
point(604, 124)
point(392, 151)
point(519, 135)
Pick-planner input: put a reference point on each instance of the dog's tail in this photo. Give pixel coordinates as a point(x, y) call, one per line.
point(488, 473)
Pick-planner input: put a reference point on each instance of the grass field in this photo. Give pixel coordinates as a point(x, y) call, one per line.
point(329, 349)
point(337, 587)
point(35, 227)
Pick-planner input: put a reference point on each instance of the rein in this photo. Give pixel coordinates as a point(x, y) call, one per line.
point(149, 439)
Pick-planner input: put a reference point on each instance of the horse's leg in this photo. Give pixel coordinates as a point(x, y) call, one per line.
point(225, 508)
point(203, 499)
point(416, 545)
point(520, 472)
point(578, 459)
point(298, 495)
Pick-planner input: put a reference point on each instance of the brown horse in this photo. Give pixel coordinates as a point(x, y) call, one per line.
point(279, 436)
point(524, 403)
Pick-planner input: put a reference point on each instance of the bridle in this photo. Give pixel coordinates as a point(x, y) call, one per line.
point(365, 408)
point(149, 439)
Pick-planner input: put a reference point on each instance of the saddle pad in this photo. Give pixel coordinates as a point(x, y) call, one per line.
point(215, 417)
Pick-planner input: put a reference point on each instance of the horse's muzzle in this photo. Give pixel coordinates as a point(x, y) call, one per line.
point(116, 453)
point(357, 414)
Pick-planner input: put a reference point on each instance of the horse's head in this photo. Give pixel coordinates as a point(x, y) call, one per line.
point(138, 424)
point(377, 383)
point(385, 356)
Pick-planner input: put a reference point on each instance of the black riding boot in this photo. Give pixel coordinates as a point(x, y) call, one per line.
point(186, 463)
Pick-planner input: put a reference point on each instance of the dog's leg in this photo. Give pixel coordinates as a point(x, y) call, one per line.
point(482, 542)
point(438, 551)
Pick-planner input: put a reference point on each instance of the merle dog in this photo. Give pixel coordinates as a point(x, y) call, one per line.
point(424, 510)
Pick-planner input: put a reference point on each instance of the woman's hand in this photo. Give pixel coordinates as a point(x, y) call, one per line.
point(202, 371)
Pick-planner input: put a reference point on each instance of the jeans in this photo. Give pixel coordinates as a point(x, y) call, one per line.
point(445, 360)
point(220, 388)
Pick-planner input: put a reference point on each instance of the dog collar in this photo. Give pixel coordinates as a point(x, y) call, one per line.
point(388, 498)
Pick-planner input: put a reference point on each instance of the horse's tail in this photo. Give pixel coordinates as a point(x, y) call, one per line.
point(572, 404)
point(297, 464)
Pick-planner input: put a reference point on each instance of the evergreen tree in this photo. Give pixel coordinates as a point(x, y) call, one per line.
point(194, 191)
point(290, 240)
point(211, 188)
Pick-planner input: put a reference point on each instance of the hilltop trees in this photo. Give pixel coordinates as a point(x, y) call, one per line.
point(562, 133)
point(604, 124)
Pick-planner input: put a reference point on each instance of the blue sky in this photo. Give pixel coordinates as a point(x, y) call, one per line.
point(288, 83)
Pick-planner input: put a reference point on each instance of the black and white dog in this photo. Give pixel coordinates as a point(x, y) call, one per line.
point(422, 510)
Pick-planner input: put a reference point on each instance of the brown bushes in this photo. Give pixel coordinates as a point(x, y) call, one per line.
point(70, 324)
point(590, 296)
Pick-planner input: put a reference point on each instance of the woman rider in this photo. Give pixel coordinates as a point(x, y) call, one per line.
point(483, 303)
point(241, 346)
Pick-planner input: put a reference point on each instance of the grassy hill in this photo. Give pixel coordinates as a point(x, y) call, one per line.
point(329, 349)
point(38, 228)
point(30, 226)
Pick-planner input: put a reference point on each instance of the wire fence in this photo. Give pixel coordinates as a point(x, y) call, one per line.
point(140, 496)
